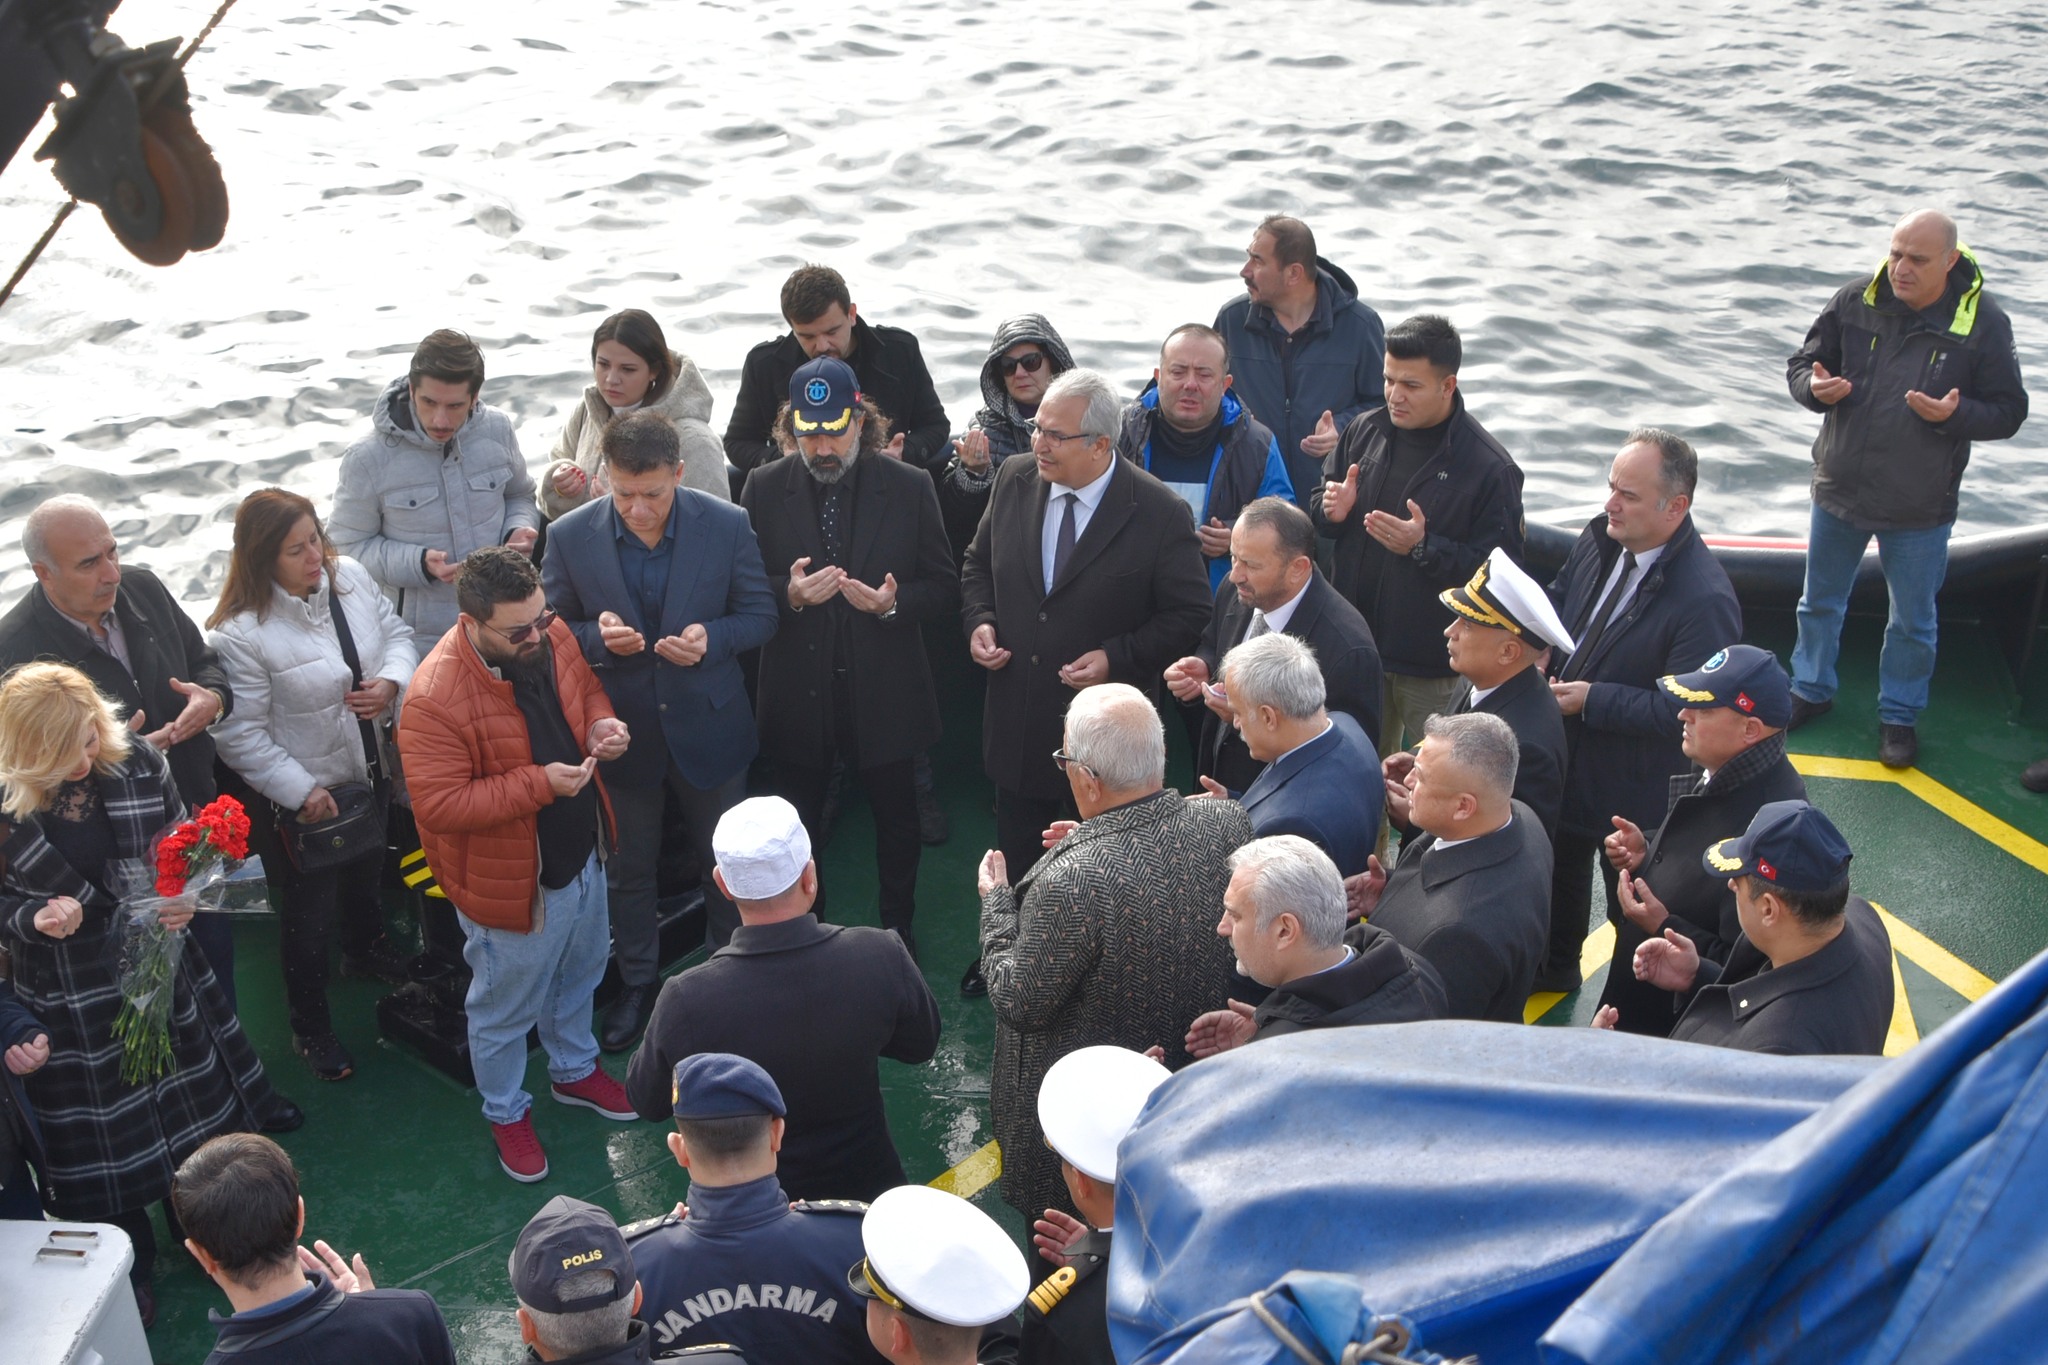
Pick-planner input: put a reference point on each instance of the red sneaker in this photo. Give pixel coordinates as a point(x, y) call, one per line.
point(600, 1092)
point(519, 1150)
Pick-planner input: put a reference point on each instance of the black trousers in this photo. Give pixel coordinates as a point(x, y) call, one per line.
point(892, 799)
point(631, 890)
point(313, 909)
point(135, 1222)
point(1571, 889)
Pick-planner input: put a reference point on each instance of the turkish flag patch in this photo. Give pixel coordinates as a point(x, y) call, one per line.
point(1742, 700)
point(1766, 869)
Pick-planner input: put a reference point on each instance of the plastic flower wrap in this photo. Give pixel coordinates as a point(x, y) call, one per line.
point(192, 863)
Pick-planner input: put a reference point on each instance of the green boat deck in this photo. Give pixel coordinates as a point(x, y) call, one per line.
point(397, 1163)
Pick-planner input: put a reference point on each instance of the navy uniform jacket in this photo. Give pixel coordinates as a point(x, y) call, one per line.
point(1836, 1002)
point(328, 1327)
point(1329, 791)
point(747, 1268)
point(716, 580)
point(1066, 1319)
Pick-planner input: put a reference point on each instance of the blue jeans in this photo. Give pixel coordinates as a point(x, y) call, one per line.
point(1914, 564)
point(543, 979)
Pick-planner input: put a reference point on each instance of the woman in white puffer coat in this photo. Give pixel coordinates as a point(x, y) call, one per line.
point(632, 368)
point(297, 732)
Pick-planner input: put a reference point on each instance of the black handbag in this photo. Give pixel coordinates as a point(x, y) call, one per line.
point(356, 829)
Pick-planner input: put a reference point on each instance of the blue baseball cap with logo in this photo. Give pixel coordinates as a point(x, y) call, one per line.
point(823, 395)
point(1742, 677)
point(1790, 845)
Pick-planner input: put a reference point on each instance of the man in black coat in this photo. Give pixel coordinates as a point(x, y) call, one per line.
point(1503, 629)
point(1643, 597)
point(124, 630)
point(823, 322)
point(1283, 913)
point(1274, 585)
point(1417, 495)
point(1733, 709)
point(1085, 570)
point(1811, 973)
point(814, 1005)
point(858, 561)
point(1475, 908)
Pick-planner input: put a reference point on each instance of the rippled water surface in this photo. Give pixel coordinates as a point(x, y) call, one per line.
point(1631, 219)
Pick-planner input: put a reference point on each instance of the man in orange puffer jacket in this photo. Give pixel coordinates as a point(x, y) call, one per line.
point(502, 731)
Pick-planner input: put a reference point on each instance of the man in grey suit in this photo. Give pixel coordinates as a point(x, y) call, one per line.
point(664, 589)
point(1110, 937)
point(1472, 896)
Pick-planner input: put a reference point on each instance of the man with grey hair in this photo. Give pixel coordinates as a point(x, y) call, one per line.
point(1283, 913)
point(1108, 938)
point(1472, 894)
point(1085, 570)
point(1642, 597)
point(1322, 778)
point(1906, 370)
point(573, 1275)
point(122, 628)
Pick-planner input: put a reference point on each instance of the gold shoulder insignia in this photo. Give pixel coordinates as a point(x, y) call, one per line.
point(1052, 1289)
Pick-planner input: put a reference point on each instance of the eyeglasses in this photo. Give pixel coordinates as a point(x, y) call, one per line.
point(519, 635)
point(1053, 438)
point(1031, 364)
point(1061, 758)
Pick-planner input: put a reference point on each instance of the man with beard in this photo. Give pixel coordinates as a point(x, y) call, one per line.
point(858, 562)
point(502, 731)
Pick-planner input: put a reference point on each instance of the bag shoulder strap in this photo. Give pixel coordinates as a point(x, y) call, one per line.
point(355, 668)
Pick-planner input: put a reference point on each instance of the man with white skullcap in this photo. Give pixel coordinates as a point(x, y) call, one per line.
point(814, 1005)
point(937, 1271)
point(1086, 1104)
point(1501, 627)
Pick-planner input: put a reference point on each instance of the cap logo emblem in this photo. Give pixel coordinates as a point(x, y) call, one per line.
point(1720, 657)
point(582, 1258)
point(1766, 869)
point(817, 391)
point(1742, 700)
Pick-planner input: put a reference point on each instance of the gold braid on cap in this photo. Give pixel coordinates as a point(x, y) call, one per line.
point(796, 420)
point(1721, 861)
point(867, 1271)
point(1478, 608)
point(1670, 684)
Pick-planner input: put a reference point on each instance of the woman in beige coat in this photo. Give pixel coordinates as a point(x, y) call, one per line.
point(634, 368)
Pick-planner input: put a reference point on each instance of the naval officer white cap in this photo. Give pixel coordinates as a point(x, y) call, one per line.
point(1089, 1100)
point(761, 848)
point(936, 1255)
point(1502, 596)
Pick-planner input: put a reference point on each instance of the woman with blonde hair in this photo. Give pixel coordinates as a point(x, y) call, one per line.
point(318, 660)
point(81, 798)
point(633, 368)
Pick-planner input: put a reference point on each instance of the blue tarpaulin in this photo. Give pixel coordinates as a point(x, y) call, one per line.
point(1474, 1178)
point(1904, 1223)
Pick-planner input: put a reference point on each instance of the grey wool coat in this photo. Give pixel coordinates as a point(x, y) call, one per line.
point(1110, 938)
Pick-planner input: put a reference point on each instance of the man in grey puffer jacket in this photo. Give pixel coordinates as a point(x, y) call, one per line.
point(439, 476)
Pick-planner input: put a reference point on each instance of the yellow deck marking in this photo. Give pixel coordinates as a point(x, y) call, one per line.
point(973, 1175)
point(1905, 1030)
point(1930, 957)
point(1964, 812)
point(1598, 951)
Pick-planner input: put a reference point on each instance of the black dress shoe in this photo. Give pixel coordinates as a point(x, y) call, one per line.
point(1804, 711)
point(282, 1117)
point(1897, 746)
point(973, 985)
point(1562, 980)
point(2035, 778)
point(627, 1018)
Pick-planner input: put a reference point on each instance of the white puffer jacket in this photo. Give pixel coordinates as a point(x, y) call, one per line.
point(290, 732)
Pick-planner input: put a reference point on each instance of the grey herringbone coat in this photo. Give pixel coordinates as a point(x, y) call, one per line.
point(1110, 938)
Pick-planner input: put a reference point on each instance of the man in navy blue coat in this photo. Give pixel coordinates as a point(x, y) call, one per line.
point(665, 589)
point(1322, 779)
point(1643, 597)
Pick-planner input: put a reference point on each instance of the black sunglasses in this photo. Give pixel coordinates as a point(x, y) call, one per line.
point(1032, 363)
point(519, 635)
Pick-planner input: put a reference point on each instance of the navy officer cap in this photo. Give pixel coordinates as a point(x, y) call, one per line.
point(566, 1238)
point(1741, 677)
point(823, 394)
point(1790, 845)
point(719, 1085)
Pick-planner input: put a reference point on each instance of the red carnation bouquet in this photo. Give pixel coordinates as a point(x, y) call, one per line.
point(190, 869)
